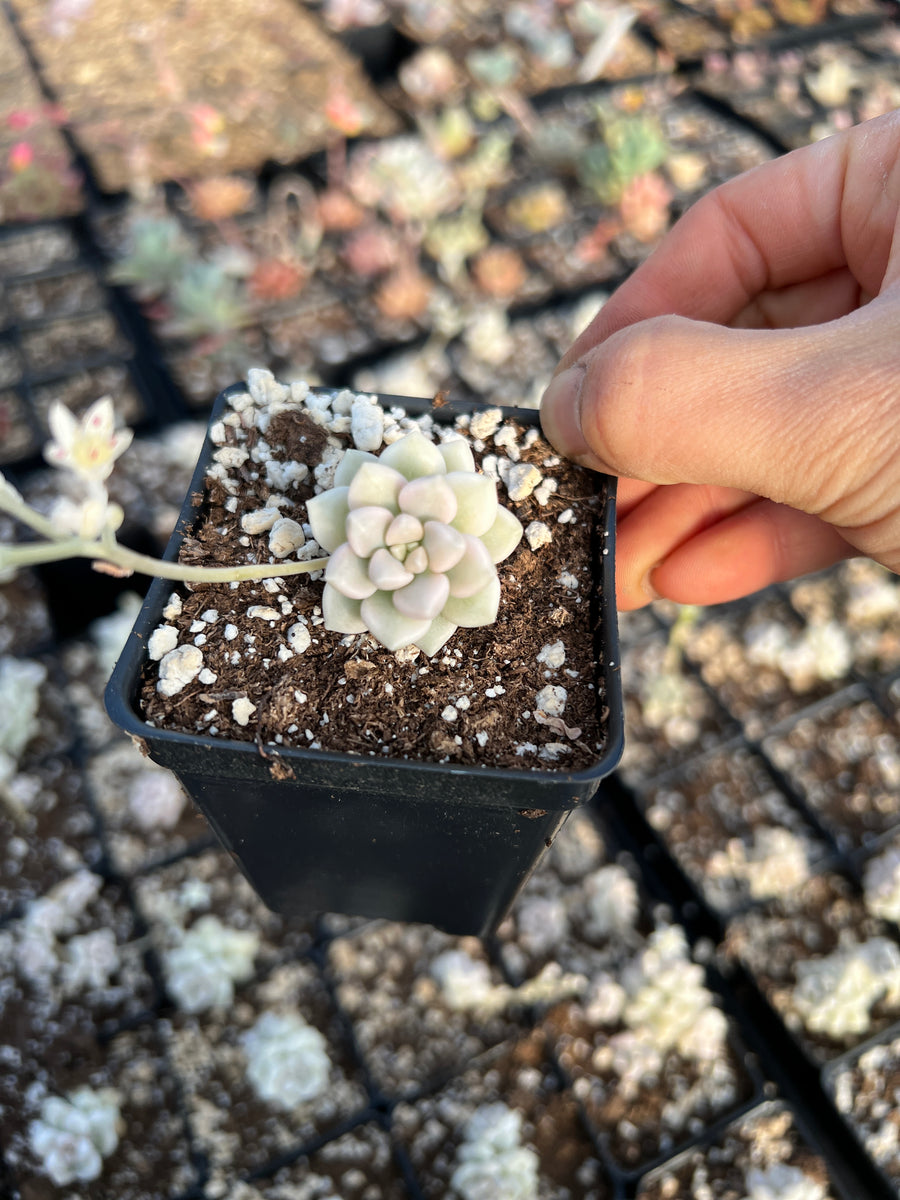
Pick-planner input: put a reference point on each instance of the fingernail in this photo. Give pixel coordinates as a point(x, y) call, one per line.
point(561, 413)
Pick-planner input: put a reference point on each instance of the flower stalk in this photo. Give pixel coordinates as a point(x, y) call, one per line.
point(88, 449)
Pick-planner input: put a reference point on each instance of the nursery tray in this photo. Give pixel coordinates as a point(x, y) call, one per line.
point(315, 830)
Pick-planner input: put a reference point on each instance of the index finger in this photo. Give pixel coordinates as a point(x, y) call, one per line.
point(830, 205)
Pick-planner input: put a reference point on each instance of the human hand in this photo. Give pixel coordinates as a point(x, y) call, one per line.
point(744, 382)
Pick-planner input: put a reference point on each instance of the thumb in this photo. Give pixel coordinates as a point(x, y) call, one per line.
point(807, 417)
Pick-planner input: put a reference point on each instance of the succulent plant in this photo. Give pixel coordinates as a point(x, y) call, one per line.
point(156, 256)
point(633, 144)
point(206, 300)
point(414, 537)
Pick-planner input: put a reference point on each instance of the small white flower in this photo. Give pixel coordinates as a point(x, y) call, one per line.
point(88, 447)
point(287, 1059)
point(87, 518)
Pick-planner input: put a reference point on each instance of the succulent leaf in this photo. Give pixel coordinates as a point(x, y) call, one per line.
point(476, 502)
point(349, 573)
point(388, 625)
point(471, 611)
point(327, 514)
point(388, 572)
point(367, 528)
point(444, 545)
point(376, 484)
point(404, 528)
point(439, 633)
point(504, 535)
point(424, 597)
point(341, 614)
point(429, 498)
point(348, 466)
point(473, 571)
point(457, 455)
point(414, 456)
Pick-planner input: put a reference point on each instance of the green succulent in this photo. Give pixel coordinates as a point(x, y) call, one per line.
point(633, 145)
point(206, 301)
point(158, 255)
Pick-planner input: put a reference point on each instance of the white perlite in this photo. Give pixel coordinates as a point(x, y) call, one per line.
point(551, 700)
point(163, 639)
point(242, 710)
point(299, 638)
point(834, 995)
point(521, 480)
point(366, 424)
point(263, 612)
point(538, 534)
point(287, 1059)
point(492, 1162)
point(201, 972)
point(259, 521)
point(285, 537)
point(73, 1135)
point(178, 668)
point(553, 654)
point(484, 424)
point(882, 884)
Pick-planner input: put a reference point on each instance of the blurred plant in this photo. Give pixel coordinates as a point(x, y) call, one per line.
point(452, 133)
point(539, 208)
point(88, 449)
point(371, 250)
point(665, 695)
point(496, 67)
point(534, 24)
point(208, 127)
point(341, 15)
point(405, 294)
point(633, 144)
point(499, 271)
point(607, 24)
point(274, 280)
point(339, 212)
point(206, 302)
point(405, 179)
point(644, 206)
point(430, 77)
point(487, 166)
point(220, 197)
point(451, 240)
point(36, 182)
point(801, 12)
point(594, 246)
point(157, 254)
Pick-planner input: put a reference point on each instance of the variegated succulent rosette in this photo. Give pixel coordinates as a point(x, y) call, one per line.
point(414, 537)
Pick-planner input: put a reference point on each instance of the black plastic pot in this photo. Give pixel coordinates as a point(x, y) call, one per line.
point(442, 844)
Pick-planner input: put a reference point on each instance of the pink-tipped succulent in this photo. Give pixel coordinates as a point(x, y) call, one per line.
point(414, 537)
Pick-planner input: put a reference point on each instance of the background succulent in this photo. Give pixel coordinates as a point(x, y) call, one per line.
point(414, 538)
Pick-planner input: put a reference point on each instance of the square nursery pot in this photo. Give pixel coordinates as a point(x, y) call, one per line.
point(313, 830)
